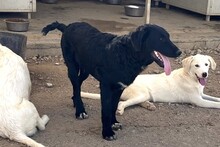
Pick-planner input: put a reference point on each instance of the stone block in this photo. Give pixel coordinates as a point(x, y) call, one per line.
point(16, 42)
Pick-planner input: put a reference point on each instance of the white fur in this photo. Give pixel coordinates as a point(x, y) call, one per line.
point(18, 116)
point(181, 86)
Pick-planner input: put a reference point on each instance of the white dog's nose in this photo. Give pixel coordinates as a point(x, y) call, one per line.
point(204, 74)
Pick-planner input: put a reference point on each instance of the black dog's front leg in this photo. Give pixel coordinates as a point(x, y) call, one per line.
point(106, 102)
point(115, 99)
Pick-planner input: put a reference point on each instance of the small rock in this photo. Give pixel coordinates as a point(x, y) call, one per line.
point(61, 59)
point(156, 71)
point(205, 48)
point(187, 52)
point(45, 58)
point(57, 64)
point(199, 51)
point(27, 61)
point(40, 78)
point(34, 58)
point(49, 85)
point(215, 52)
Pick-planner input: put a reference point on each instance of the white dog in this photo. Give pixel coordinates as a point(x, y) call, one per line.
point(184, 85)
point(18, 116)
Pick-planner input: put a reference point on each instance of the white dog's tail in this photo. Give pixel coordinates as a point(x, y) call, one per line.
point(90, 95)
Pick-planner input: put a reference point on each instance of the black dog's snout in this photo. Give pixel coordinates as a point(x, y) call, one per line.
point(179, 53)
point(204, 74)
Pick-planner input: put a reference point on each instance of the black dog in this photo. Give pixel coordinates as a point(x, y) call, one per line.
point(113, 60)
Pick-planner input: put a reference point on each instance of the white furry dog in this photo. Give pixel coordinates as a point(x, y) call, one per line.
point(18, 116)
point(184, 85)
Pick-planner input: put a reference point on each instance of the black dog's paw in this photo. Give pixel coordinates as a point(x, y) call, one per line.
point(117, 126)
point(110, 136)
point(82, 115)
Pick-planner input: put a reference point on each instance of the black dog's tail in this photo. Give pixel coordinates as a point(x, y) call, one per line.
point(55, 25)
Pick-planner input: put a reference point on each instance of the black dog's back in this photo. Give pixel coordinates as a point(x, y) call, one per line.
point(81, 35)
point(77, 29)
point(84, 42)
point(79, 32)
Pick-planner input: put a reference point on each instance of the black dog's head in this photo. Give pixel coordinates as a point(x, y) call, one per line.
point(154, 40)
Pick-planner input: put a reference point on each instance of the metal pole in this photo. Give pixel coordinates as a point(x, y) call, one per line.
point(147, 11)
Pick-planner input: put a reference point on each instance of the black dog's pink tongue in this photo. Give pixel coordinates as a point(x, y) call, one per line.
point(202, 81)
point(166, 62)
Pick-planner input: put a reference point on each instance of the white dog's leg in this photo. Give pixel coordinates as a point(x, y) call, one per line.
point(22, 138)
point(31, 132)
point(211, 98)
point(42, 122)
point(206, 103)
point(131, 101)
point(148, 105)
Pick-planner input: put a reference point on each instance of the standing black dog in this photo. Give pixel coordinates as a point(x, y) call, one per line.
point(113, 60)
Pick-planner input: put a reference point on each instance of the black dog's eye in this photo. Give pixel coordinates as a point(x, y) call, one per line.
point(206, 64)
point(161, 39)
point(197, 65)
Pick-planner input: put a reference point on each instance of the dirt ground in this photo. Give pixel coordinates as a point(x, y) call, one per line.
point(170, 125)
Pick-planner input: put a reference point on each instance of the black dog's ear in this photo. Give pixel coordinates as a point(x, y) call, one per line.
point(137, 37)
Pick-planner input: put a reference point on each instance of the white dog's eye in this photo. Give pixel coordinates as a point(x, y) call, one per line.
point(206, 64)
point(197, 65)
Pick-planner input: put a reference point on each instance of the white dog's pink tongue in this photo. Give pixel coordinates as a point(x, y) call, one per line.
point(166, 62)
point(202, 81)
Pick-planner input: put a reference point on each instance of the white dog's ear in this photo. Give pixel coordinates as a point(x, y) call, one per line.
point(212, 62)
point(186, 63)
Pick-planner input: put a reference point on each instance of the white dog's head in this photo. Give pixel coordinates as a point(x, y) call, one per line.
point(198, 66)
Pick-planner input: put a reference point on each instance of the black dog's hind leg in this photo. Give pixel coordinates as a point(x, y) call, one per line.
point(115, 99)
point(83, 75)
point(76, 80)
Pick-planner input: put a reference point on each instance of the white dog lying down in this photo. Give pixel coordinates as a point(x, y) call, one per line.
point(184, 85)
point(18, 116)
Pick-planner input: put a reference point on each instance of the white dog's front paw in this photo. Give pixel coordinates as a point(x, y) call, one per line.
point(121, 108)
point(148, 105)
point(45, 119)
